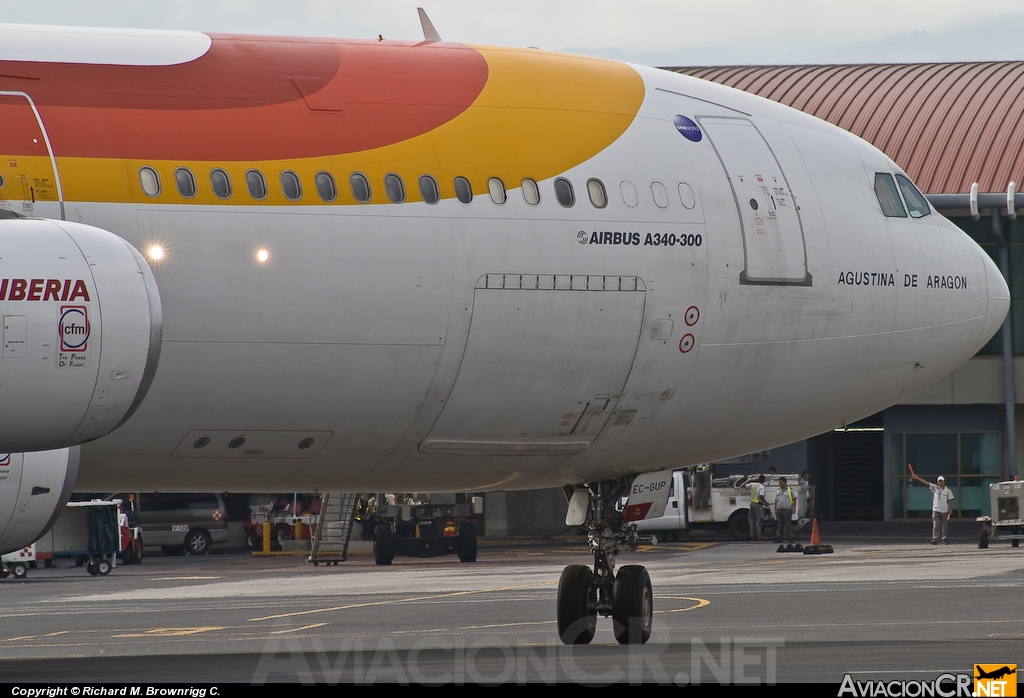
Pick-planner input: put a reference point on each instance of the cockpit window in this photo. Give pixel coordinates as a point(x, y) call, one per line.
point(888, 197)
point(916, 202)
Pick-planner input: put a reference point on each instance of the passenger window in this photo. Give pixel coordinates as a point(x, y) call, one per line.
point(256, 184)
point(660, 194)
point(916, 202)
point(628, 192)
point(429, 190)
point(221, 183)
point(325, 186)
point(564, 193)
point(531, 192)
point(185, 181)
point(463, 191)
point(888, 198)
point(395, 188)
point(686, 197)
point(598, 197)
point(150, 181)
point(497, 190)
point(291, 186)
point(360, 187)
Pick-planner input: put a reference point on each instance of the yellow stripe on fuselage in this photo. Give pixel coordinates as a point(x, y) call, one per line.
point(538, 115)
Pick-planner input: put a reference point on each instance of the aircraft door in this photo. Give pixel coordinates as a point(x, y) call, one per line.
point(545, 362)
point(30, 185)
point(773, 238)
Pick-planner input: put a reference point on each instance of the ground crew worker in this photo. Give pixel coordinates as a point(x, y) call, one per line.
point(785, 500)
point(702, 487)
point(941, 510)
point(756, 507)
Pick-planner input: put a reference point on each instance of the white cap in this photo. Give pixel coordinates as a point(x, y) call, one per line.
point(940, 479)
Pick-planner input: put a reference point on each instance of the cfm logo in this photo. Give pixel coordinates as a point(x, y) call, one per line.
point(5, 460)
point(73, 328)
point(995, 680)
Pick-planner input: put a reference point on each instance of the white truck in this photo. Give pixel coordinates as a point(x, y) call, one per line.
point(729, 505)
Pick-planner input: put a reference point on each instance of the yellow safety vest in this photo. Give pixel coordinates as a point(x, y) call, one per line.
point(789, 491)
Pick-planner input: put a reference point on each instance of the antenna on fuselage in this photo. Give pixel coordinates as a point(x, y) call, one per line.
point(429, 33)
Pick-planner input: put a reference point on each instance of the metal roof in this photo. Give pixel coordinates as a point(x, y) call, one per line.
point(946, 124)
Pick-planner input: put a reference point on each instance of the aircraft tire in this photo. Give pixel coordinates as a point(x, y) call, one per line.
point(383, 544)
point(632, 605)
point(467, 542)
point(576, 606)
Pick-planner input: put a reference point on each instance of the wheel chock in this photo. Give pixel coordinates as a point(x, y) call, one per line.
point(818, 550)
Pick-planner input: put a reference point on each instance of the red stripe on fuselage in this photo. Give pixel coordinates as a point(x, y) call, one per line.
point(240, 101)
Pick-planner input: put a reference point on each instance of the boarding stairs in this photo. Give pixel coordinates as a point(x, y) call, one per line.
point(334, 531)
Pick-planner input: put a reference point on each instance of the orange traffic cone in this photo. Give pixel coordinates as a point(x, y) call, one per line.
point(816, 548)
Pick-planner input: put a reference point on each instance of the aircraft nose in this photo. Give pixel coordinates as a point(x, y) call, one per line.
point(998, 300)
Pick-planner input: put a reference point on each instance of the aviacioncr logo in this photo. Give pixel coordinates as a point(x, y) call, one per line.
point(73, 327)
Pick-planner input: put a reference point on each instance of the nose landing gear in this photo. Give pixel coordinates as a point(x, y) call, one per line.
point(582, 593)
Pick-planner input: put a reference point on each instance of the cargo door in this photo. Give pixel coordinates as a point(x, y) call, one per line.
point(546, 360)
point(29, 184)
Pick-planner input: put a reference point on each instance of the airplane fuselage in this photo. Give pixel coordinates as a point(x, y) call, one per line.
point(652, 270)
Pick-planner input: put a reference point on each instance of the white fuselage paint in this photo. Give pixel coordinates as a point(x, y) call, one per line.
point(484, 346)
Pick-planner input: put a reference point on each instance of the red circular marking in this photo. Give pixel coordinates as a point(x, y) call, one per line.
point(695, 312)
point(686, 343)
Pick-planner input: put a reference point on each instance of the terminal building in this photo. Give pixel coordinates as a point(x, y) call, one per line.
point(956, 128)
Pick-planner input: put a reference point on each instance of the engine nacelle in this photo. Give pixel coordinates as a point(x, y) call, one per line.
point(34, 487)
point(81, 333)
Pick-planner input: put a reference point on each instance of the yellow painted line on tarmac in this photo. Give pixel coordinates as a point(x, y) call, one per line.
point(179, 579)
point(410, 599)
point(37, 637)
point(295, 630)
point(173, 632)
point(700, 603)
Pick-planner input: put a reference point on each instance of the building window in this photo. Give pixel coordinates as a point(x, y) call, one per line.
point(970, 462)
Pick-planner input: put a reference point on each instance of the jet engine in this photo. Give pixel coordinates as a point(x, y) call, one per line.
point(81, 333)
point(34, 487)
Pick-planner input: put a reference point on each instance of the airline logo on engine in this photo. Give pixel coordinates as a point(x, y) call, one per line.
point(74, 329)
point(5, 460)
point(43, 290)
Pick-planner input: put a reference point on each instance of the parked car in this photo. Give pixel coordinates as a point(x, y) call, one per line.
point(179, 522)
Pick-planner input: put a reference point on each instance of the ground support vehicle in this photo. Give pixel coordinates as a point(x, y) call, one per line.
point(437, 526)
point(178, 522)
point(289, 520)
point(729, 506)
point(87, 532)
point(16, 564)
point(1007, 519)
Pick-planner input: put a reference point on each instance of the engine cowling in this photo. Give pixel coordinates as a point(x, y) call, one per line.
point(34, 487)
point(81, 333)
